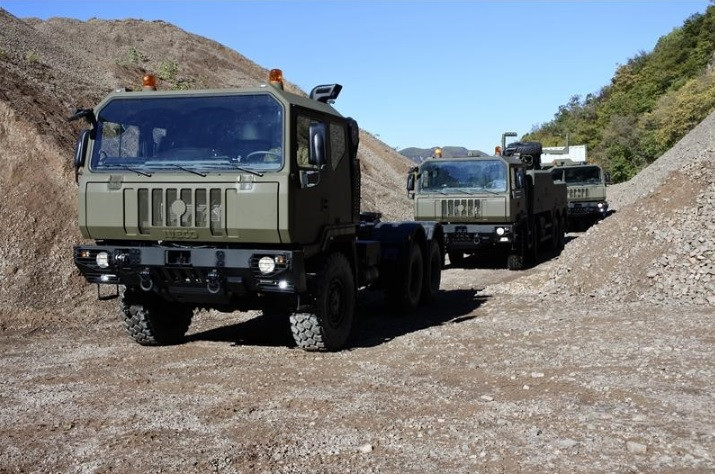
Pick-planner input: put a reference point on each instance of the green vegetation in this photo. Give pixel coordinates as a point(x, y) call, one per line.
point(652, 102)
point(32, 57)
point(168, 69)
point(169, 72)
point(135, 56)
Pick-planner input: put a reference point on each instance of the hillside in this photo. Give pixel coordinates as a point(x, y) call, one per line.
point(653, 100)
point(43, 78)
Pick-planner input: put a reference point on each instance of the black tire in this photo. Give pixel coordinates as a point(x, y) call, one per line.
point(327, 324)
point(456, 258)
point(562, 234)
point(555, 233)
point(530, 152)
point(151, 321)
point(515, 261)
point(405, 290)
point(433, 277)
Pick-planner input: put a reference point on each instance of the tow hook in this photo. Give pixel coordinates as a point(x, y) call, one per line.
point(213, 282)
point(145, 281)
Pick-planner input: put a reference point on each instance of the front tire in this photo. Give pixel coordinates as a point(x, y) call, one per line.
point(328, 322)
point(150, 321)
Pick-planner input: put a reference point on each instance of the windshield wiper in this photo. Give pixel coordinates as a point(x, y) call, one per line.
point(239, 168)
point(189, 170)
point(129, 168)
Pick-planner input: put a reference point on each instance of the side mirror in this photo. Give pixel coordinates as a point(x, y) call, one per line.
point(80, 152)
point(607, 178)
point(317, 134)
point(411, 182)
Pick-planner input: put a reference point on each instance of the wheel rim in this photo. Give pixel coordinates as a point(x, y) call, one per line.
point(334, 303)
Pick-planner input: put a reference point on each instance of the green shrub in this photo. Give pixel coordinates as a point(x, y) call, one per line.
point(135, 56)
point(32, 57)
point(168, 69)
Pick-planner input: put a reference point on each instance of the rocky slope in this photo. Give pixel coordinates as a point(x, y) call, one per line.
point(658, 247)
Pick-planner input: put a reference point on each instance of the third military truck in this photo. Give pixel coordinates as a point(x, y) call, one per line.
point(492, 204)
point(239, 199)
point(586, 185)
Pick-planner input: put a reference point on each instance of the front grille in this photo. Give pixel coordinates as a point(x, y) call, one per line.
point(577, 193)
point(181, 207)
point(465, 208)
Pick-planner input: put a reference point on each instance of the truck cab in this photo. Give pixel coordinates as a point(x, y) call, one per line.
point(586, 187)
point(238, 199)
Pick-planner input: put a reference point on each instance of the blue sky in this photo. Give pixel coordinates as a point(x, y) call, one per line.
point(421, 73)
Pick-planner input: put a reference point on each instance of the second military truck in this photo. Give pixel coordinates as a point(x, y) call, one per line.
point(503, 203)
point(239, 199)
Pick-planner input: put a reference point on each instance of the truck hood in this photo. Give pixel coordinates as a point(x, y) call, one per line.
point(202, 212)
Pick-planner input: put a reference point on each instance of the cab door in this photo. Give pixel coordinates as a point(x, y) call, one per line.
point(310, 204)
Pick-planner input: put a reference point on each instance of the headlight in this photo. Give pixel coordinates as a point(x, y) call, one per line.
point(500, 231)
point(102, 260)
point(266, 265)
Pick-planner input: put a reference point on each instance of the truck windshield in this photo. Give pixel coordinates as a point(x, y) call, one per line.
point(160, 134)
point(578, 175)
point(471, 176)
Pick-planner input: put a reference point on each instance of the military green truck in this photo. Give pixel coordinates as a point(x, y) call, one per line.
point(586, 185)
point(492, 204)
point(238, 199)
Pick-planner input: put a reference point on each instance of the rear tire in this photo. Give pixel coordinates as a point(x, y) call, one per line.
point(562, 234)
point(327, 324)
point(433, 277)
point(405, 291)
point(151, 321)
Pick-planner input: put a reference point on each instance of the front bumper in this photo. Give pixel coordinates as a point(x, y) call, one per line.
point(588, 208)
point(475, 236)
point(192, 274)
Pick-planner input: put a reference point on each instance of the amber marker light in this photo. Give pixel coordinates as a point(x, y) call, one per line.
point(149, 82)
point(275, 77)
point(497, 150)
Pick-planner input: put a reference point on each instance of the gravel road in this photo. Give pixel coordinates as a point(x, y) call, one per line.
point(478, 382)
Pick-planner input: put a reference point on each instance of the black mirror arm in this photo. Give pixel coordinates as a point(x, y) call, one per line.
point(87, 114)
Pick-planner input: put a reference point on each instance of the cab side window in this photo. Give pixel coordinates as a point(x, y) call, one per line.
point(302, 145)
point(337, 143)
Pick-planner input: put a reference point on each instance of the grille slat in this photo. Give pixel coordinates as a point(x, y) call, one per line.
point(189, 208)
point(577, 193)
point(461, 207)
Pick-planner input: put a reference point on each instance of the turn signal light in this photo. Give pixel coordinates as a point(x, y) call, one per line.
point(149, 82)
point(275, 77)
